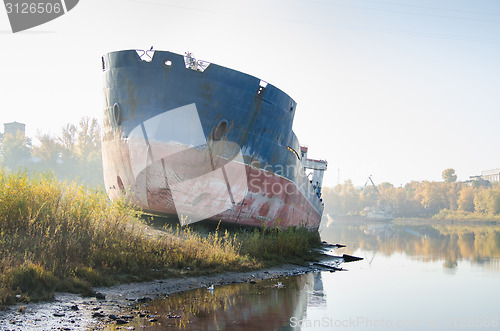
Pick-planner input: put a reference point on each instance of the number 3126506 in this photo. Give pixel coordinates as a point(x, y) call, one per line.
point(33, 8)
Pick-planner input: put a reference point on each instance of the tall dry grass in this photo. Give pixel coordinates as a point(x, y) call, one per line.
point(62, 236)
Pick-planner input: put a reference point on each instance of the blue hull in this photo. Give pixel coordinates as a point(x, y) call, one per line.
point(231, 106)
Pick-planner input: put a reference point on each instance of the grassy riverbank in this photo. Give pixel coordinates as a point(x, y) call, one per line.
point(59, 236)
point(460, 215)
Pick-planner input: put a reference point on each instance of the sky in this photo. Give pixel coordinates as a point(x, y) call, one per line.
point(396, 89)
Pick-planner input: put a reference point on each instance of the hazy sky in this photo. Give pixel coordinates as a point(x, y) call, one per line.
point(397, 89)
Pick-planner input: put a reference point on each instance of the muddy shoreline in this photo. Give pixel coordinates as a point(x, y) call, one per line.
point(74, 312)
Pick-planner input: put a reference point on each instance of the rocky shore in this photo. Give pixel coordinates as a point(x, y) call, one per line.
point(74, 312)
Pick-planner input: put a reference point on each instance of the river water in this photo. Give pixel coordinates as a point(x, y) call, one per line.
point(414, 276)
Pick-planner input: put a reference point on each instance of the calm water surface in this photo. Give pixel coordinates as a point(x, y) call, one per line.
point(414, 276)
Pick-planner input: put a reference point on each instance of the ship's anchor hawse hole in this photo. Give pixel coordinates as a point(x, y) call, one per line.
point(220, 130)
point(120, 184)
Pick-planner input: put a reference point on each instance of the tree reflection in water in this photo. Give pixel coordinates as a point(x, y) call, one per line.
point(451, 242)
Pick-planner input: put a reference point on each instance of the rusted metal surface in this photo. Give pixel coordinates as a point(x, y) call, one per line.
point(233, 154)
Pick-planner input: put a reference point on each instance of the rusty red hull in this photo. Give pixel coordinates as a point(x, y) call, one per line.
point(271, 201)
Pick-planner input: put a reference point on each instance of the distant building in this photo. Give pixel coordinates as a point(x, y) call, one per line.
point(13, 128)
point(492, 176)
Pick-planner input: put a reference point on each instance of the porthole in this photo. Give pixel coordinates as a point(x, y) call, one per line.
point(116, 114)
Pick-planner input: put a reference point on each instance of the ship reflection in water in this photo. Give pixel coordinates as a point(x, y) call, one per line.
point(265, 305)
point(414, 276)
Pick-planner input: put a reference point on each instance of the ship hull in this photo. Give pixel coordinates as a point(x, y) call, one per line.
point(239, 163)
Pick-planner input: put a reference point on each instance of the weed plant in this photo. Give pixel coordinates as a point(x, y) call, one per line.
point(63, 236)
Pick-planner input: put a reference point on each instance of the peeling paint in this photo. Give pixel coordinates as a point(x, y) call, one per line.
point(254, 180)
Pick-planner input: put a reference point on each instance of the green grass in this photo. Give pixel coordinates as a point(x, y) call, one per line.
point(60, 236)
point(275, 246)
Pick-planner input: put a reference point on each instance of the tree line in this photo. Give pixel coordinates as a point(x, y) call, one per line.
point(74, 154)
point(416, 199)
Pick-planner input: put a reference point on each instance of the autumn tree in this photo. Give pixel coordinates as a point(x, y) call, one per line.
point(449, 175)
point(488, 200)
point(407, 204)
point(432, 196)
point(387, 199)
point(350, 198)
point(67, 140)
point(48, 151)
point(88, 139)
point(452, 194)
point(76, 153)
point(466, 199)
point(88, 150)
point(16, 150)
point(369, 196)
